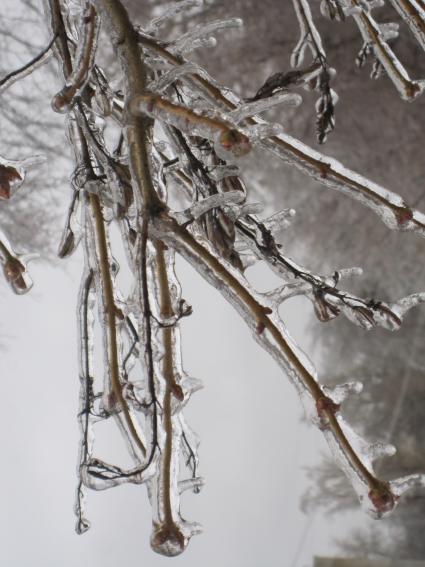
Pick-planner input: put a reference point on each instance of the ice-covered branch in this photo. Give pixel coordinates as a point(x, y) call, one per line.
point(86, 320)
point(390, 207)
point(18, 74)
point(172, 10)
point(310, 37)
point(413, 13)
point(354, 455)
point(84, 61)
point(203, 127)
point(227, 138)
point(374, 37)
point(14, 267)
point(184, 42)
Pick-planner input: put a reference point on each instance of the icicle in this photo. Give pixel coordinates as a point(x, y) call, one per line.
point(389, 31)
point(262, 105)
point(98, 475)
point(402, 485)
point(277, 296)
point(251, 209)
point(171, 11)
point(279, 221)
point(11, 78)
point(371, 32)
point(332, 9)
point(261, 131)
point(309, 36)
point(413, 13)
point(166, 80)
point(212, 202)
point(220, 172)
point(401, 307)
point(341, 392)
point(72, 231)
point(190, 444)
point(199, 31)
point(192, 385)
point(192, 484)
point(379, 450)
point(86, 305)
point(228, 140)
point(248, 259)
point(344, 273)
point(201, 43)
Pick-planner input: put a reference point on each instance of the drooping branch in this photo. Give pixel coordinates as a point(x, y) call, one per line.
point(413, 13)
point(310, 37)
point(84, 60)
point(268, 330)
point(373, 36)
point(127, 187)
point(26, 69)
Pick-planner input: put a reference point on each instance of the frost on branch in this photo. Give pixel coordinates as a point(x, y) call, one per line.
point(166, 127)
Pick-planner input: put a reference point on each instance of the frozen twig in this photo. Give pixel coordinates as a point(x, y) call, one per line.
point(76, 82)
point(18, 74)
point(374, 38)
point(203, 127)
point(269, 331)
point(413, 13)
point(390, 207)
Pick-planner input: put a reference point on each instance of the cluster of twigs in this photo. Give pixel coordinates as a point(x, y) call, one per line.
point(177, 130)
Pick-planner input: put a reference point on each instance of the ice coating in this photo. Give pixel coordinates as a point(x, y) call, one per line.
point(279, 221)
point(168, 78)
point(201, 43)
point(258, 106)
point(332, 9)
point(390, 207)
point(413, 13)
point(171, 533)
point(309, 36)
point(212, 202)
point(171, 11)
point(14, 267)
point(72, 231)
point(145, 387)
point(342, 391)
point(27, 69)
point(86, 305)
point(85, 58)
point(202, 30)
point(374, 36)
